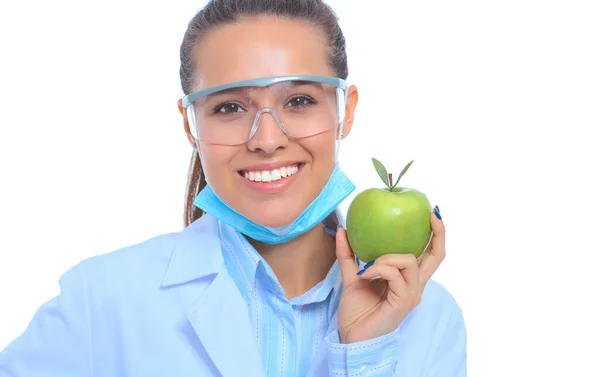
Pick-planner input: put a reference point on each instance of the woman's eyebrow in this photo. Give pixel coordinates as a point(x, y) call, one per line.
point(244, 90)
point(238, 90)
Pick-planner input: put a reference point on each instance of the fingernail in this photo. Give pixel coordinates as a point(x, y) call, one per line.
point(340, 226)
point(366, 266)
point(436, 210)
point(357, 261)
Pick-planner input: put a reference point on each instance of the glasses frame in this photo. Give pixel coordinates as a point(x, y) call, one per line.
point(340, 85)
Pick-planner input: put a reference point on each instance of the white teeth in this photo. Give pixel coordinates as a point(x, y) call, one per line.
point(270, 176)
point(266, 176)
point(275, 175)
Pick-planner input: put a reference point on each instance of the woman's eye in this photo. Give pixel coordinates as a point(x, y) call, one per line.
point(300, 101)
point(229, 108)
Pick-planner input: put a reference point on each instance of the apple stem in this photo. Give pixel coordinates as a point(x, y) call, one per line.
point(391, 181)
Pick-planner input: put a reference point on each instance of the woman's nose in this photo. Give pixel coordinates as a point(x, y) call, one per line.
point(270, 135)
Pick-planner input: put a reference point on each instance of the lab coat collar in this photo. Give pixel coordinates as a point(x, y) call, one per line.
point(196, 253)
point(197, 250)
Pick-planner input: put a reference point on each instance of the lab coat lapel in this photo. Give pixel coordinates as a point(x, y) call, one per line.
point(219, 315)
point(219, 320)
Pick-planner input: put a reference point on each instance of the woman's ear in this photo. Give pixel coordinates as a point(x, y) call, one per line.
point(351, 103)
point(186, 124)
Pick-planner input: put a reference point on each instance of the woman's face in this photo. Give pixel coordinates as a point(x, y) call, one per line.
point(264, 47)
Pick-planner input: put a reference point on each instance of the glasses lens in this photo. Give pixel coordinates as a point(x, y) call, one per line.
point(302, 109)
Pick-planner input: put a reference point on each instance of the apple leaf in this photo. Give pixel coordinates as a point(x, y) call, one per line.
point(403, 172)
point(381, 170)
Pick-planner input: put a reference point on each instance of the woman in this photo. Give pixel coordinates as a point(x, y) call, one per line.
point(261, 282)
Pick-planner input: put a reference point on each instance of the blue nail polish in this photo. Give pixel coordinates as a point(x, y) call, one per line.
point(357, 261)
point(436, 210)
point(365, 268)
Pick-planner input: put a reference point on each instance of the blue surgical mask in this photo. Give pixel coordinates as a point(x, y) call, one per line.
point(338, 188)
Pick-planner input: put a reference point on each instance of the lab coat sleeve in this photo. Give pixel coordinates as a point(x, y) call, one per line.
point(450, 358)
point(380, 357)
point(57, 341)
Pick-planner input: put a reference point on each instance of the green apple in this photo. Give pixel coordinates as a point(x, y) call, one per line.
point(391, 220)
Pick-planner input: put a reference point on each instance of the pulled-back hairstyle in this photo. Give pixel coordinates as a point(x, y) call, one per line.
point(221, 12)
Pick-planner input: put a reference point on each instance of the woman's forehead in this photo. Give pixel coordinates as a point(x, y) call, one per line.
point(264, 47)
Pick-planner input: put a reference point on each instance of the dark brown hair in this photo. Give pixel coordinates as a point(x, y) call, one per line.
point(221, 12)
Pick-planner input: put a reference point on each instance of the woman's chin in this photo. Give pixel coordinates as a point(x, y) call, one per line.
point(273, 216)
point(273, 222)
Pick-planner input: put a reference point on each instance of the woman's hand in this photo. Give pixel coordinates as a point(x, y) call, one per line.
point(372, 308)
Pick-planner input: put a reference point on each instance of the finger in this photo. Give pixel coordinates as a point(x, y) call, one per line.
point(346, 258)
point(426, 251)
point(436, 253)
point(391, 274)
point(407, 265)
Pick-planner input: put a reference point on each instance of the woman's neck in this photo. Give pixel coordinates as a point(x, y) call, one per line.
point(301, 263)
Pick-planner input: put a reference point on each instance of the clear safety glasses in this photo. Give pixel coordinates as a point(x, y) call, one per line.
point(301, 106)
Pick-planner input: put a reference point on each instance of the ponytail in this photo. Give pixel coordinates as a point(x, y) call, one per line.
point(195, 183)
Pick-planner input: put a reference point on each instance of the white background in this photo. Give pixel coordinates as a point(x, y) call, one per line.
point(497, 102)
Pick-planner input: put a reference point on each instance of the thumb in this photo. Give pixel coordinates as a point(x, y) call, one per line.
point(345, 258)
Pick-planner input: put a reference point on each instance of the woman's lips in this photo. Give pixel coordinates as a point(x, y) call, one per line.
point(271, 181)
point(271, 175)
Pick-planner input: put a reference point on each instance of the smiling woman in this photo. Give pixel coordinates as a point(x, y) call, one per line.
point(258, 49)
point(262, 281)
